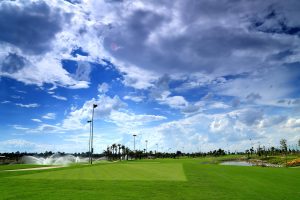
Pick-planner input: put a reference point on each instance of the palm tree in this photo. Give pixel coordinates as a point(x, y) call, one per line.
point(251, 150)
point(123, 151)
point(119, 153)
point(114, 149)
point(127, 152)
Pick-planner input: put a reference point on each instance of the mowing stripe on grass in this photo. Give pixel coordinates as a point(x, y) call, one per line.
point(142, 171)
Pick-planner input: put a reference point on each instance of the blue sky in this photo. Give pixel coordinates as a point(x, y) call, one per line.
point(186, 75)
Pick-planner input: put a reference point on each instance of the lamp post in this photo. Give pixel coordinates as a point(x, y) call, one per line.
point(146, 144)
point(156, 147)
point(90, 122)
point(134, 142)
point(92, 148)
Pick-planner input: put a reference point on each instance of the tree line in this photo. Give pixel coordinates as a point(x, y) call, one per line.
point(121, 152)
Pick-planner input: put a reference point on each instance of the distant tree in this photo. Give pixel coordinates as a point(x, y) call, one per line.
point(123, 151)
point(283, 146)
point(127, 152)
point(272, 150)
point(248, 153)
point(119, 151)
point(114, 150)
point(299, 142)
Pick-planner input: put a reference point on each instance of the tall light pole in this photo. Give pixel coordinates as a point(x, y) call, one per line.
point(156, 147)
point(92, 148)
point(146, 144)
point(90, 122)
point(134, 142)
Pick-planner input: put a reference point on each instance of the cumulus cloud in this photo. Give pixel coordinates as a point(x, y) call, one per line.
point(12, 63)
point(218, 125)
point(77, 118)
point(149, 33)
point(248, 116)
point(213, 52)
point(33, 24)
point(32, 54)
point(272, 121)
point(293, 123)
point(173, 101)
point(260, 87)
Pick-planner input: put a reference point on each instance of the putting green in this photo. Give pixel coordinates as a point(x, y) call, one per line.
point(117, 171)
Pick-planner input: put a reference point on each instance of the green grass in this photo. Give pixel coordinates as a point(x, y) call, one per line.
point(18, 166)
point(116, 171)
point(167, 179)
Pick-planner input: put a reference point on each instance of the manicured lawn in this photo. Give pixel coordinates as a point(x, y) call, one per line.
point(18, 166)
point(116, 171)
point(162, 179)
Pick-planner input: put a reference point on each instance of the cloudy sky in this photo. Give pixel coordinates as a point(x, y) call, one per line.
point(188, 75)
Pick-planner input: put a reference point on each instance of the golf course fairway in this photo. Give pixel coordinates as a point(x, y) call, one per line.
point(152, 179)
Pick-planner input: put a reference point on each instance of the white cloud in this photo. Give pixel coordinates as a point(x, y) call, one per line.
point(60, 97)
point(178, 102)
point(78, 117)
point(103, 88)
point(126, 119)
point(219, 125)
point(218, 105)
point(49, 116)
point(134, 98)
point(31, 105)
point(23, 145)
point(16, 143)
point(47, 128)
point(293, 123)
point(83, 71)
point(145, 40)
point(264, 87)
point(19, 127)
point(272, 121)
point(248, 116)
point(136, 77)
point(36, 120)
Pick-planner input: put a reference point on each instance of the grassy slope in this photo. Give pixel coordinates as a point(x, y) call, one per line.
point(204, 181)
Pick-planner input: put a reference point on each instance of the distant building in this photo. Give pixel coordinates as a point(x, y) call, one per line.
point(2, 159)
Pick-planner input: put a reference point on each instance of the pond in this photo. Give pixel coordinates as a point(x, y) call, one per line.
point(237, 163)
